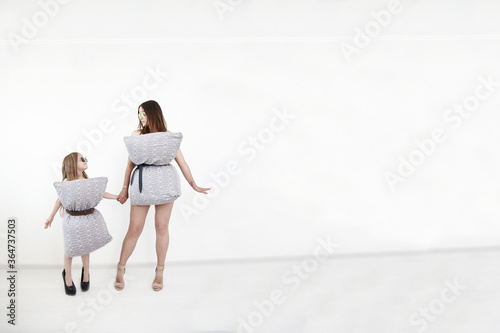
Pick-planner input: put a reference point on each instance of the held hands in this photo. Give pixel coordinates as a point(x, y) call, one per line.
point(110, 196)
point(123, 196)
point(48, 223)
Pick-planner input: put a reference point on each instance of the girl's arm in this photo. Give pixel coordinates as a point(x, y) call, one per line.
point(109, 196)
point(187, 173)
point(57, 205)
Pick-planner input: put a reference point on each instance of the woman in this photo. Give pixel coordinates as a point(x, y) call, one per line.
point(151, 123)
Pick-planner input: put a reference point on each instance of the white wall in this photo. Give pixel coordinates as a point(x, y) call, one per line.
point(222, 79)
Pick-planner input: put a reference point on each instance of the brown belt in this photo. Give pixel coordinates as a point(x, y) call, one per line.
point(80, 212)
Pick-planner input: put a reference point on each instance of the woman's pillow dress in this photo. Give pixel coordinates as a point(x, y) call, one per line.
point(153, 153)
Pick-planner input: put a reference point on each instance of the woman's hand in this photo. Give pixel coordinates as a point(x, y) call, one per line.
point(48, 223)
point(199, 189)
point(123, 196)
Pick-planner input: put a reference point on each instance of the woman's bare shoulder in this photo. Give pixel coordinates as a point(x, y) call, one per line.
point(135, 133)
point(65, 179)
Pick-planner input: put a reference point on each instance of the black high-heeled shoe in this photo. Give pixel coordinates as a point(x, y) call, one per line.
point(85, 285)
point(70, 291)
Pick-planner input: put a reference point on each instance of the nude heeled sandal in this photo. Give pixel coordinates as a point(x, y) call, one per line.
point(158, 286)
point(118, 285)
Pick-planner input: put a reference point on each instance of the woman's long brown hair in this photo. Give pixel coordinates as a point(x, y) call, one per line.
point(70, 170)
point(155, 120)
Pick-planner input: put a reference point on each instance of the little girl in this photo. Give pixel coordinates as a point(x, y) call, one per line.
point(73, 169)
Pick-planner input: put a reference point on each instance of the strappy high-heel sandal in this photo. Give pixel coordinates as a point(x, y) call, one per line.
point(118, 285)
point(158, 286)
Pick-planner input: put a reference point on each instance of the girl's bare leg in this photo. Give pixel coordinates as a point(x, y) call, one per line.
point(67, 268)
point(85, 262)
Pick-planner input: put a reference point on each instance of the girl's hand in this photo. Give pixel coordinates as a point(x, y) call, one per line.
point(200, 189)
point(48, 223)
point(123, 196)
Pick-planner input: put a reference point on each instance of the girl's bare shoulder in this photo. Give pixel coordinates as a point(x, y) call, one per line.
point(65, 179)
point(135, 133)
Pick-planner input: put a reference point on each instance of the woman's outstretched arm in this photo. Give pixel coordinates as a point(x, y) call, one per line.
point(187, 173)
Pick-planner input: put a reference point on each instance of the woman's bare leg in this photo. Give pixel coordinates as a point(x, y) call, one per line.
point(67, 267)
point(162, 217)
point(85, 262)
point(137, 219)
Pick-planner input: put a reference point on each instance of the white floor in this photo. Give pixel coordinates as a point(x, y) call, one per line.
point(435, 292)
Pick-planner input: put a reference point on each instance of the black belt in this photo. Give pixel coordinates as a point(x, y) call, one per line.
point(80, 212)
point(139, 166)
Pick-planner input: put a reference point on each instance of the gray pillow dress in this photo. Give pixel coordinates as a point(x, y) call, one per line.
point(84, 233)
point(153, 153)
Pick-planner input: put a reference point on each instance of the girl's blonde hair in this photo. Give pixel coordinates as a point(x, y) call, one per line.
point(70, 170)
